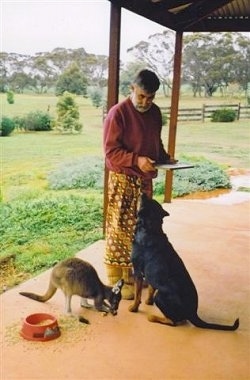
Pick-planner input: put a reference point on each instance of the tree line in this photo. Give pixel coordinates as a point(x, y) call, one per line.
point(210, 62)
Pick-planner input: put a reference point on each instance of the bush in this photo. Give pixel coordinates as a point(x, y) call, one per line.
point(38, 121)
point(164, 118)
point(96, 97)
point(68, 114)
point(10, 97)
point(20, 122)
point(223, 115)
point(81, 174)
point(7, 126)
point(205, 176)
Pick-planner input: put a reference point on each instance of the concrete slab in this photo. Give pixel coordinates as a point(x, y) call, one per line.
point(213, 241)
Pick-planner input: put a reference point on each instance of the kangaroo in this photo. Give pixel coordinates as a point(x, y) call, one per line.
point(78, 277)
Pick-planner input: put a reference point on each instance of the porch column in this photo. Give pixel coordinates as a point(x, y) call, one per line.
point(113, 79)
point(174, 113)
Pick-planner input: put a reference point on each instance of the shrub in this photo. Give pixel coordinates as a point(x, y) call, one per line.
point(10, 97)
point(7, 126)
point(164, 118)
point(80, 174)
point(223, 115)
point(38, 121)
point(205, 176)
point(96, 97)
point(68, 114)
point(20, 123)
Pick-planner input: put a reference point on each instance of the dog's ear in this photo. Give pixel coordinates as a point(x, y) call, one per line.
point(165, 213)
point(143, 204)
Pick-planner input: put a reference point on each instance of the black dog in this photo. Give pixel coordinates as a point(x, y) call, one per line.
point(170, 285)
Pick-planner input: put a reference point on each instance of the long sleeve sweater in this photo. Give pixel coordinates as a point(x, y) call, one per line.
point(128, 134)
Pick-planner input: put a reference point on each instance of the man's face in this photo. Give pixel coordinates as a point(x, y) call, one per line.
point(141, 99)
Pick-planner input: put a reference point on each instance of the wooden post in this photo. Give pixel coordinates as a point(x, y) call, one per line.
point(113, 80)
point(238, 112)
point(174, 113)
point(203, 111)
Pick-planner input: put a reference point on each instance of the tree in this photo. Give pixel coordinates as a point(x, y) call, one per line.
point(68, 114)
point(96, 70)
point(128, 74)
point(3, 72)
point(210, 61)
point(19, 81)
point(242, 59)
point(72, 80)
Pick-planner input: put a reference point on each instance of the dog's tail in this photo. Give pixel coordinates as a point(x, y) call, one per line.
point(196, 321)
point(41, 298)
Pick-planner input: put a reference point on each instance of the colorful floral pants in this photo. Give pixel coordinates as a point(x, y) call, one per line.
point(123, 199)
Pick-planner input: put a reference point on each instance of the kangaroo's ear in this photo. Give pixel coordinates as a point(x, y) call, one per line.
point(118, 286)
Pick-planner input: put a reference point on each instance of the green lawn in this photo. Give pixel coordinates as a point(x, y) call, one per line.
point(27, 157)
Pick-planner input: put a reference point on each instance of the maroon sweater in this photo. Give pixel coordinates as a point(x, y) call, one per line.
point(128, 134)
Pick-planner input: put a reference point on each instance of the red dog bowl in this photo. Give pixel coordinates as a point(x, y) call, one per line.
point(40, 327)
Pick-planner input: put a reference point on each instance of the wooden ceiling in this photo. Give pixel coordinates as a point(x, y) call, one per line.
point(193, 16)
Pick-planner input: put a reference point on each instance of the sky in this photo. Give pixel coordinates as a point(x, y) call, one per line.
point(29, 27)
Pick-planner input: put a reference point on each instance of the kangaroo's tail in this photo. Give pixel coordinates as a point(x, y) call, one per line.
point(196, 321)
point(41, 298)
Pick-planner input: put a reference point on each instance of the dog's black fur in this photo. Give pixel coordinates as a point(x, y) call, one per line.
point(155, 259)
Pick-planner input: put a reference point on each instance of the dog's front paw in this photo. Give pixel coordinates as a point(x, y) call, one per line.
point(134, 307)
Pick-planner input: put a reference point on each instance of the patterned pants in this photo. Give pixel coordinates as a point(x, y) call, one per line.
point(123, 199)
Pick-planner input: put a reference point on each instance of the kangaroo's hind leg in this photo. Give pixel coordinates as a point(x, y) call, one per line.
point(85, 303)
point(68, 303)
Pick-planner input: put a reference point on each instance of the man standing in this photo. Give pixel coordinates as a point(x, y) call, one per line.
point(132, 146)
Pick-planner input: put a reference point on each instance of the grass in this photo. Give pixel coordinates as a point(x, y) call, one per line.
point(27, 157)
point(224, 143)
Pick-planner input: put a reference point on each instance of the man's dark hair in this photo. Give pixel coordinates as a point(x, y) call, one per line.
point(147, 80)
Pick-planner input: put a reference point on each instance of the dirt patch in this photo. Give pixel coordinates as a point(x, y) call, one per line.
point(71, 332)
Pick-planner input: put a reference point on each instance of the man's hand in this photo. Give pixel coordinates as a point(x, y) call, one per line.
point(145, 164)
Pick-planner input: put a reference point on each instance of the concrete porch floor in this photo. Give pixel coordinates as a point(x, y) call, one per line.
point(213, 240)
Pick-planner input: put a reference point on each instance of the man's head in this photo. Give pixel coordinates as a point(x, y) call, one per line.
point(144, 87)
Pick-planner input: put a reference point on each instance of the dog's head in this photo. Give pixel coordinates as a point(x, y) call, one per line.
point(115, 297)
point(151, 213)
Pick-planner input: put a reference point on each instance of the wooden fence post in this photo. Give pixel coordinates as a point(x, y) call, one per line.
point(238, 112)
point(203, 112)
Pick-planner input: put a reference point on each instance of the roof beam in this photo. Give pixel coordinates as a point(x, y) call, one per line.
point(221, 24)
point(151, 12)
point(196, 12)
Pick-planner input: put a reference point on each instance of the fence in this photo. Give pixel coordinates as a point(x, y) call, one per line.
point(206, 111)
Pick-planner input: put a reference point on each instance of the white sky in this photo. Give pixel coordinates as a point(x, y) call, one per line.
point(28, 27)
